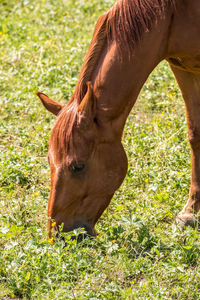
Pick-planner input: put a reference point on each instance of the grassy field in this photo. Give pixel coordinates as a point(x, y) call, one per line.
point(137, 254)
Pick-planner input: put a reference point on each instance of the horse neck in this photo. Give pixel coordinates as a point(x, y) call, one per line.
point(119, 77)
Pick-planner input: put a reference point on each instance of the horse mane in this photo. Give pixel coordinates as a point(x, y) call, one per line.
point(125, 23)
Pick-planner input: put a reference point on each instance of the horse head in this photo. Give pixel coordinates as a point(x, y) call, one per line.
point(87, 165)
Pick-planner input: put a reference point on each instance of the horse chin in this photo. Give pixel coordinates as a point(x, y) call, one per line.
point(89, 230)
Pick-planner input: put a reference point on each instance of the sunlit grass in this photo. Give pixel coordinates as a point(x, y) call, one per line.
point(137, 254)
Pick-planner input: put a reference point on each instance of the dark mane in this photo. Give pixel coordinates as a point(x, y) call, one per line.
point(63, 128)
point(125, 23)
point(129, 19)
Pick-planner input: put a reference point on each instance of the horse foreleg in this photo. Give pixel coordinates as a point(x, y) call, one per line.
point(190, 86)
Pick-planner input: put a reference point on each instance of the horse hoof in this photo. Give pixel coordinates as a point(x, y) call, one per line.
point(186, 220)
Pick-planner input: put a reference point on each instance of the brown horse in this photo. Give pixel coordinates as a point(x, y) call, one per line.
point(87, 159)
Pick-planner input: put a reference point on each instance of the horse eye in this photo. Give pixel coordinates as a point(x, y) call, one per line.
point(77, 168)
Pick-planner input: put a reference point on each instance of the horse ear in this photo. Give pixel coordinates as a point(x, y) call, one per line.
point(87, 107)
point(49, 104)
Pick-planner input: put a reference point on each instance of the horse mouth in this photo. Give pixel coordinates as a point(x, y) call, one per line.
point(87, 230)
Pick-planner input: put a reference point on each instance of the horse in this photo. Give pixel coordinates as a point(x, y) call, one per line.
point(87, 160)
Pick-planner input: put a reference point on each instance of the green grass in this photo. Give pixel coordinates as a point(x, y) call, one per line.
point(137, 254)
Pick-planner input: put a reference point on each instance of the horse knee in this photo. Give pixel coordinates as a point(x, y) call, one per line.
point(194, 138)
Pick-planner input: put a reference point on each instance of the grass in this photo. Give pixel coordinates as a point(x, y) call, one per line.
point(137, 254)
